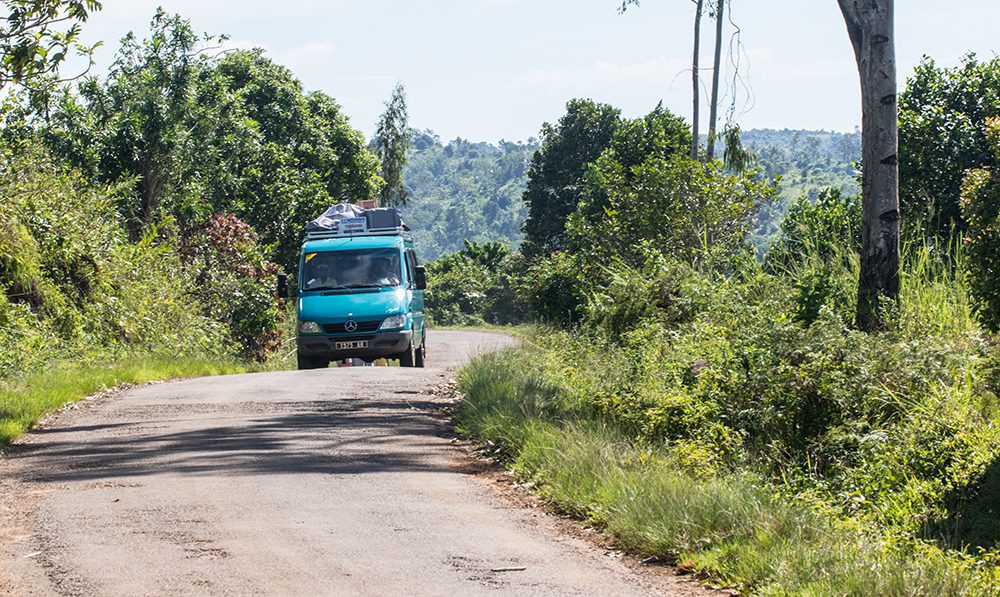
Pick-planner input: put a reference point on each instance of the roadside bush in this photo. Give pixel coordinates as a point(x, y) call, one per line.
point(235, 284)
point(636, 297)
point(828, 228)
point(981, 210)
point(556, 287)
point(73, 286)
point(475, 285)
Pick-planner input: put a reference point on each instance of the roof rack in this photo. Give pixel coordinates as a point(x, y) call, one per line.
point(347, 220)
point(321, 234)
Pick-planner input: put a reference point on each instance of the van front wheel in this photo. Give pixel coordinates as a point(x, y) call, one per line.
point(421, 353)
point(408, 357)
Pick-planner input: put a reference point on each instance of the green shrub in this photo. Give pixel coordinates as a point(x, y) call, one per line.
point(74, 287)
point(556, 287)
point(829, 228)
point(981, 210)
point(475, 285)
point(235, 284)
point(636, 297)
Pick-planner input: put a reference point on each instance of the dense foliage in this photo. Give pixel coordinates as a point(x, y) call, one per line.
point(196, 134)
point(981, 211)
point(147, 212)
point(475, 285)
point(942, 132)
point(75, 287)
point(555, 176)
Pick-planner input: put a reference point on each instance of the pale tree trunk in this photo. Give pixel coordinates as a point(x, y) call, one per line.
point(695, 91)
point(870, 26)
point(713, 109)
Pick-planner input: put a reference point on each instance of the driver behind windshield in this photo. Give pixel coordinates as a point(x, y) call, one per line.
point(383, 273)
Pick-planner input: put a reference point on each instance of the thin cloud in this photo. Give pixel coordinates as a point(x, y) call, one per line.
point(659, 71)
point(309, 52)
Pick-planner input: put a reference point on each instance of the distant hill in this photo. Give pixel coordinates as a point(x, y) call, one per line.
point(807, 161)
point(472, 190)
point(465, 190)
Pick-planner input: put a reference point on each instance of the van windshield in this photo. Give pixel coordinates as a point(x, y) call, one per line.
point(365, 268)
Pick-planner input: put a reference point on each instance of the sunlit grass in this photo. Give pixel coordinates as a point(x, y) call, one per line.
point(728, 527)
point(24, 401)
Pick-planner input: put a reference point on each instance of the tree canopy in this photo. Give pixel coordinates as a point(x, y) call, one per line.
point(555, 176)
point(37, 35)
point(191, 133)
point(392, 145)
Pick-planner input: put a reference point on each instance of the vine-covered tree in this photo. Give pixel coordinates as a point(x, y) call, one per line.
point(392, 145)
point(870, 27)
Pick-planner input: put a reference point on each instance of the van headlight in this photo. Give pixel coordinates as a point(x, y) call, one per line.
point(394, 322)
point(309, 327)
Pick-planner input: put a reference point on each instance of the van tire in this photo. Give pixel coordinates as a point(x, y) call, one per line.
point(421, 353)
point(305, 362)
point(408, 357)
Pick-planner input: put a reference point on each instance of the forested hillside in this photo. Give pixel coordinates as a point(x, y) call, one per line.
point(463, 190)
point(806, 161)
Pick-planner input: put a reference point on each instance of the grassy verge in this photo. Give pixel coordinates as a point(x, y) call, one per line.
point(730, 526)
point(24, 401)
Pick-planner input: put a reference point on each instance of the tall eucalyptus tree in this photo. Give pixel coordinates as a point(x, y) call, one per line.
point(870, 28)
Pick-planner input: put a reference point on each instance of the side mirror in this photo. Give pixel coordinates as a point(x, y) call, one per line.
point(421, 277)
point(282, 286)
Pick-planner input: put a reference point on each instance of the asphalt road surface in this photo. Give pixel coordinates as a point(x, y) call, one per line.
point(324, 482)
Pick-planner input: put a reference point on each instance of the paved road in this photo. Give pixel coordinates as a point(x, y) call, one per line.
point(326, 482)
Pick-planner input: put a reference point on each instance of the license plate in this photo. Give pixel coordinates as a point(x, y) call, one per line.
point(350, 345)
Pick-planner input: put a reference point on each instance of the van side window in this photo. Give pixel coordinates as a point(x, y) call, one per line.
point(411, 262)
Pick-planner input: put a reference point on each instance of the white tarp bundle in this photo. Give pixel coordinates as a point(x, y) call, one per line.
point(335, 219)
point(330, 220)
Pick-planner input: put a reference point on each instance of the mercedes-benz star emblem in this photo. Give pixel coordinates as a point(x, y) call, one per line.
point(351, 325)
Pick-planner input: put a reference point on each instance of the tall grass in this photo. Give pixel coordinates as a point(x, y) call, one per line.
point(728, 526)
point(934, 291)
point(740, 425)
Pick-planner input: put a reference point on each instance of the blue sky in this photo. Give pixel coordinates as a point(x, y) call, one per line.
point(492, 69)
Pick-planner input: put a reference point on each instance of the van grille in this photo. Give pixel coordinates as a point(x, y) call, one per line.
point(363, 327)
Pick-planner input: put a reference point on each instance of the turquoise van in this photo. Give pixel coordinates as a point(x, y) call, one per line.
point(360, 294)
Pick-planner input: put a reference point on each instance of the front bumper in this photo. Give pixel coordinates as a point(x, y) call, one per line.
point(380, 345)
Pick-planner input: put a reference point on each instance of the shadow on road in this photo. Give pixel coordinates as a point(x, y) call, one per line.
point(336, 436)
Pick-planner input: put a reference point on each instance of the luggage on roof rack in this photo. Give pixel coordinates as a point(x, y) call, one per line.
point(347, 219)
